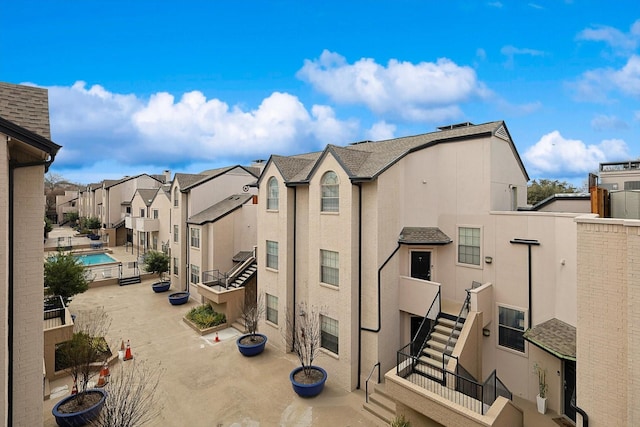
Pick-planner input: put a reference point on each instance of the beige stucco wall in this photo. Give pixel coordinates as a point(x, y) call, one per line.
point(4, 270)
point(608, 384)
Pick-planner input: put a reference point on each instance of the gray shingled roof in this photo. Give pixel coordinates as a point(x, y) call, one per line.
point(147, 194)
point(187, 179)
point(213, 173)
point(366, 160)
point(26, 106)
point(555, 337)
point(220, 209)
point(423, 236)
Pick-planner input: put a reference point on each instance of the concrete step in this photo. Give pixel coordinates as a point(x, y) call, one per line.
point(436, 345)
point(437, 336)
point(381, 405)
point(446, 330)
point(448, 322)
point(433, 353)
point(429, 370)
point(430, 361)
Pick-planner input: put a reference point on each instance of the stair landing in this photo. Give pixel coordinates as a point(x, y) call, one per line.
point(451, 307)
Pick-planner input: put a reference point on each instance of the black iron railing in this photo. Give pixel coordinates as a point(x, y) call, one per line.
point(54, 309)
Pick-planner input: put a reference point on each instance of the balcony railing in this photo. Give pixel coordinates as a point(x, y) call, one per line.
point(54, 312)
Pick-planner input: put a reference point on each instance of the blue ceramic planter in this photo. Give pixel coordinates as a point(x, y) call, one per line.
point(161, 286)
point(249, 349)
point(308, 390)
point(77, 419)
point(179, 298)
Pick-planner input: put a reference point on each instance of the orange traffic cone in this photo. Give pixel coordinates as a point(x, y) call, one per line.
point(102, 381)
point(217, 339)
point(74, 389)
point(127, 354)
point(107, 373)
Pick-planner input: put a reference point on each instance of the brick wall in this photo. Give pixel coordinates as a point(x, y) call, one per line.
point(608, 330)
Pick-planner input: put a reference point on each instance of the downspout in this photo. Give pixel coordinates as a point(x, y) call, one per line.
point(187, 250)
point(377, 329)
point(359, 282)
point(12, 167)
point(529, 243)
point(295, 218)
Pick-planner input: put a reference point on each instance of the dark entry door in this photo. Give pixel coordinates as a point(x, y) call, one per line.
point(421, 265)
point(569, 388)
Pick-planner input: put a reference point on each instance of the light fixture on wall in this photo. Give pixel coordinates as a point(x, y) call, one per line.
point(486, 332)
point(488, 259)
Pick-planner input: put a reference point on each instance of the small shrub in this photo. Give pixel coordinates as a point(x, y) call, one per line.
point(400, 421)
point(205, 317)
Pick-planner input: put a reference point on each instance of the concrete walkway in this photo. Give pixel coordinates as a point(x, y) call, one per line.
point(207, 383)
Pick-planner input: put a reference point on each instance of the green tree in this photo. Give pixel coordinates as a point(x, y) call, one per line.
point(64, 275)
point(48, 226)
point(539, 190)
point(156, 262)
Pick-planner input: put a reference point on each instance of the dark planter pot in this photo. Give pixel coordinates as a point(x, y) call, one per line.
point(77, 419)
point(161, 286)
point(308, 390)
point(251, 349)
point(179, 298)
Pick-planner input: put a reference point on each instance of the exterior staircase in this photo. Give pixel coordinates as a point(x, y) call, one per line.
point(439, 346)
point(129, 280)
point(244, 276)
point(381, 405)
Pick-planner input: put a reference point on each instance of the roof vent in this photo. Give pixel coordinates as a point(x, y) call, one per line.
point(361, 142)
point(455, 126)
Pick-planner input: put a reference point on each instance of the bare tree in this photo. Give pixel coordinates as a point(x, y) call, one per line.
point(132, 399)
point(303, 336)
point(251, 313)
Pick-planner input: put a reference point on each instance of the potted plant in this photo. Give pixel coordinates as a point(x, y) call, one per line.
point(179, 298)
point(158, 263)
point(303, 338)
point(541, 398)
point(82, 357)
point(252, 343)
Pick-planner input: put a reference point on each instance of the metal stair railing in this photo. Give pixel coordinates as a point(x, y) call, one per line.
point(465, 307)
point(423, 325)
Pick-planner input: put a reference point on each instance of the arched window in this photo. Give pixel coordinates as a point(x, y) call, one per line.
point(330, 201)
point(176, 194)
point(273, 194)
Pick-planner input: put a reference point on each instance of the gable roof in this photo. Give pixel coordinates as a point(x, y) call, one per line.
point(24, 115)
point(187, 179)
point(365, 161)
point(108, 183)
point(214, 173)
point(147, 195)
point(220, 209)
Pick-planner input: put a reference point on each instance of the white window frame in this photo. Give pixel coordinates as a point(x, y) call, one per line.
point(520, 328)
point(176, 233)
point(330, 192)
point(273, 194)
point(329, 328)
point(327, 268)
point(176, 199)
point(156, 214)
point(271, 260)
point(465, 238)
point(271, 312)
point(195, 238)
point(194, 274)
point(176, 266)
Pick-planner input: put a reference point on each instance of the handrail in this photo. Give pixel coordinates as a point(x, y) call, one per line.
point(426, 317)
point(235, 271)
point(465, 304)
point(366, 383)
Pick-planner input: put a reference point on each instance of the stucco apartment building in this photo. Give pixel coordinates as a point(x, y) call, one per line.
point(380, 236)
point(27, 153)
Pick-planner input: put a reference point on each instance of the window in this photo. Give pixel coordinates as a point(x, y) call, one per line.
point(141, 213)
point(272, 254)
point(195, 237)
point(329, 267)
point(195, 274)
point(175, 234)
point(511, 327)
point(469, 245)
point(330, 201)
point(176, 194)
point(155, 214)
point(155, 242)
point(175, 266)
point(273, 194)
point(272, 309)
point(128, 210)
point(329, 334)
point(514, 197)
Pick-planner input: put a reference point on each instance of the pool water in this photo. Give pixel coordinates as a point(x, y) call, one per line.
point(93, 259)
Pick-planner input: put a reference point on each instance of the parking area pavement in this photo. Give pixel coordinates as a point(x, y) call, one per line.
point(208, 383)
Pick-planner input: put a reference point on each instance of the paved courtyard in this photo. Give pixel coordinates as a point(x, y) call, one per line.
point(207, 383)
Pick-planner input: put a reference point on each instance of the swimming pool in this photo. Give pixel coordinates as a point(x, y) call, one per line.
point(93, 259)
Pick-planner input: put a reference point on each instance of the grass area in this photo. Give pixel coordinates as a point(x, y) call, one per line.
point(205, 317)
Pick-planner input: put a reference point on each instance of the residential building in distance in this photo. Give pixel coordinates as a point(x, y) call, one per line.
point(27, 153)
point(422, 266)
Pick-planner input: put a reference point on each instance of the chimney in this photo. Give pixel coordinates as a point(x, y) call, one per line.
point(167, 176)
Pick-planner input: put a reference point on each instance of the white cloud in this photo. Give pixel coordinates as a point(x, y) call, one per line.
point(636, 115)
point(555, 155)
point(511, 51)
point(535, 6)
point(622, 43)
point(381, 131)
point(426, 91)
point(94, 125)
point(603, 122)
point(495, 4)
point(594, 85)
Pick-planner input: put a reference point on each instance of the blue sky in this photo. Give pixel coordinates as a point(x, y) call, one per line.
point(143, 86)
